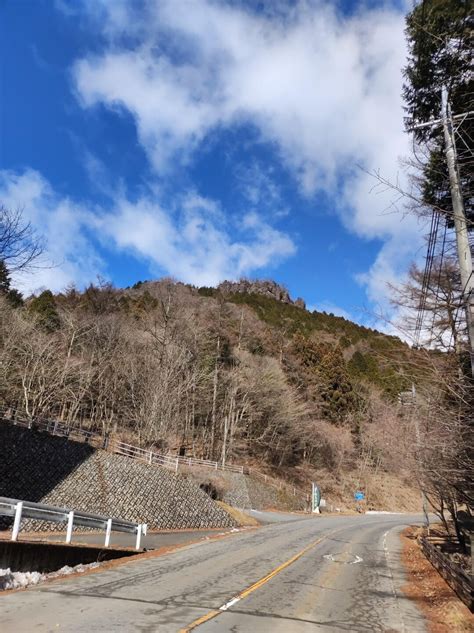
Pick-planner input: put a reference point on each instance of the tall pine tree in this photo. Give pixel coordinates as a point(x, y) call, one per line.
point(439, 35)
point(12, 295)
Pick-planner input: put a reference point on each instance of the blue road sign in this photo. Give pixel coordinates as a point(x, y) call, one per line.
point(359, 496)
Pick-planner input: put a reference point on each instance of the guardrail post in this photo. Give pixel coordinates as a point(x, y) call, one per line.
point(139, 535)
point(176, 465)
point(217, 464)
point(70, 522)
point(150, 458)
point(108, 531)
point(16, 522)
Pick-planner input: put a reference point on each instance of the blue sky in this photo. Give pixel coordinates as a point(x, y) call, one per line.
point(206, 140)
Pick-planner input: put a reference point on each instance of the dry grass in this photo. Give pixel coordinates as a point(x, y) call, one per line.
point(244, 520)
point(443, 610)
point(384, 491)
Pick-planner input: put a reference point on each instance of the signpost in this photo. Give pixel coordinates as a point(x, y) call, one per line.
point(359, 496)
point(315, 498)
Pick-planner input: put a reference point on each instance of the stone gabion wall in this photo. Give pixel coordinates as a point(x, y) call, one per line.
point(230, 487)
point(263, 496)
point(238, 494)
point(245, 491)
point(38, 467)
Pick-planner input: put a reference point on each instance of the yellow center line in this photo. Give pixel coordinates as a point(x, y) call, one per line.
point(256, 585)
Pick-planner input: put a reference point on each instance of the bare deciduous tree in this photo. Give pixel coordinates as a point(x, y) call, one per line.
point(20, 245)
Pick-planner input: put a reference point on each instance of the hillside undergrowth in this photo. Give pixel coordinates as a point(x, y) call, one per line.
point(236, 376)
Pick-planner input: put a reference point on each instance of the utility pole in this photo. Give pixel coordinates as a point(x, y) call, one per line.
point(460, 224)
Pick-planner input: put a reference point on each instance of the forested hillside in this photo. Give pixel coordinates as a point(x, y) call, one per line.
point(226, 374)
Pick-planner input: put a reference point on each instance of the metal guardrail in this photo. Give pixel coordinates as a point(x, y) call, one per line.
point(39, 511)
point(173, 462)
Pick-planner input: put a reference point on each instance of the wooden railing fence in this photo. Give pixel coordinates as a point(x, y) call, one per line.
point(455, 576)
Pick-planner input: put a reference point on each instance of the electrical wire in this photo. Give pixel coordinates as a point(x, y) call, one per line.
point(438, 281)
point(430, 252)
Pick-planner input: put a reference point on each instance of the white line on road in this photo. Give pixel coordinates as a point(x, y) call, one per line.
point(392, 580)
point(229, 604)
point(357, 559)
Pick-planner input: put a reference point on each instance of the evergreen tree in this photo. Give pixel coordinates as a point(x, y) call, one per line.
point(439, 34)
point(13, 296)
point(43, 307)
point(337, 392)
point(327, 376)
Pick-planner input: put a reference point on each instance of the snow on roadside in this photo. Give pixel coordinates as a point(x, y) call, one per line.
point(381, 512)
point(21, 579)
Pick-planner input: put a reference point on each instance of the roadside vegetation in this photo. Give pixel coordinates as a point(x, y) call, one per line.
point(235, 377)
point(231, 374)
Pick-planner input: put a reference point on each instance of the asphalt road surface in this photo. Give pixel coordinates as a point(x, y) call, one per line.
point(325, 574)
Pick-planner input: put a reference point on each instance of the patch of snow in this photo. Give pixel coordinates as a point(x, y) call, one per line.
point(77, 569)
point(21, 579)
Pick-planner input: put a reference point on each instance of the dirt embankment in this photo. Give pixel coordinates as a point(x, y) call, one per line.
point(443, 610)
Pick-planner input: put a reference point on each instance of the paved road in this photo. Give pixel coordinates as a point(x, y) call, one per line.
point(266, 516)
point(330, 574)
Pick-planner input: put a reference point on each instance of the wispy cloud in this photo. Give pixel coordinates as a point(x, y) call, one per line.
point(322, 88)
point(192, 239)
point(65, 224)
point(331, 308)
point(258, 184)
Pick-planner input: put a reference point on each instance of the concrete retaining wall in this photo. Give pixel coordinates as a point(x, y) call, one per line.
point(39, 467)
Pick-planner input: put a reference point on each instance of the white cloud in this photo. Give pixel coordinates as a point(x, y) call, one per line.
point(193, 241)
point(330, 307)
point(323, 88)
point(258, 184)
point(69, 255)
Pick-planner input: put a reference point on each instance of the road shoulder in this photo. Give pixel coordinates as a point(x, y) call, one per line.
point(443, 610)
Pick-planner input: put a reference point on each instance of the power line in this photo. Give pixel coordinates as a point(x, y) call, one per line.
point(433, 234)
point(438, 282)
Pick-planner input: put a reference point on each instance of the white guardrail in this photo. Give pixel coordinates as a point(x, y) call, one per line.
point(28, 510)
point(113, 445)
point(54, 427)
